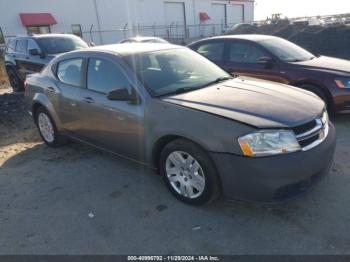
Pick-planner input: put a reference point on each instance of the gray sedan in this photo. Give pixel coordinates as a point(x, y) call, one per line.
point(171, 109)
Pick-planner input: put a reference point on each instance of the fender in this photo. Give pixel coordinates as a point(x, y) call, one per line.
point(42, 99)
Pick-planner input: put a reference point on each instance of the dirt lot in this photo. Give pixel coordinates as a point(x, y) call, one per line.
point(77, 200)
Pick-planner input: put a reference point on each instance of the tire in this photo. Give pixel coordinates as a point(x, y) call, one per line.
point(16, 84)
point(189, 173)
point(47, 128)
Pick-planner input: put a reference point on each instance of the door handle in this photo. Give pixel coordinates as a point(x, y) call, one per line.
point(88, 100)
point(51, 89)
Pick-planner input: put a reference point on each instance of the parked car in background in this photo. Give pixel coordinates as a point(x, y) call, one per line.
point(240, 26)
point(169, 108)
point(29, 54)
point(346, 21)
point(276, 59)
point(144, 39)
point(300, 22)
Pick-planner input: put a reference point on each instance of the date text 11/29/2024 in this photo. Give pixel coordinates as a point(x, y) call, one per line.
point(173, 258)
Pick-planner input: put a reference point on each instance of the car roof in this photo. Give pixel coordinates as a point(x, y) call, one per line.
point(140, 38)
point(44, 36)
point(254, 38)
point(132, 48)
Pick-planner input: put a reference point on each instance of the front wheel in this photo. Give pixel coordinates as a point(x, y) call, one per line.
point(47, 128)
point(189, 173)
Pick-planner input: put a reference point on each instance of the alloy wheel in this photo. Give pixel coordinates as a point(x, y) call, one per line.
point(46, 128)
point(185, 174)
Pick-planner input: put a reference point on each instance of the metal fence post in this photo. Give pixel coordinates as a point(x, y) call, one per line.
point(154, 29)
point(91, 37)
point(124, 29)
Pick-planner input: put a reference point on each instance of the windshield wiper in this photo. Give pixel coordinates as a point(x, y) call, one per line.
point(218, 80)
point(182, 90)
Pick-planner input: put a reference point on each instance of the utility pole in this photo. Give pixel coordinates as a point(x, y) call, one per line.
point(98, 21)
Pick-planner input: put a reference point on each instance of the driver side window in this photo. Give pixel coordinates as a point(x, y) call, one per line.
point(246, 53)
point(103, 76)
point(33, 45)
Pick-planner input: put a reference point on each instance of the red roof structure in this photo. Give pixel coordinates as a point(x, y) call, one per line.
point(36, 19)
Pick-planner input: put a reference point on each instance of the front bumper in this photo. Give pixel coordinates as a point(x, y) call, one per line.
point(277, 178)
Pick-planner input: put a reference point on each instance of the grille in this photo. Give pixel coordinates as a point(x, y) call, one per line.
point(305, 127)
point(312, 133)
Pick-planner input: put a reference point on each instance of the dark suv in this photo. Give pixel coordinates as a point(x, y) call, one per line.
point(29, 54)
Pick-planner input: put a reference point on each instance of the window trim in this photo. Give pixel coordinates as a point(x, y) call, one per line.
point(114, 63)
point(83, 70)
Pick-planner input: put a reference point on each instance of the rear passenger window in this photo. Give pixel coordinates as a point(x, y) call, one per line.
point(21, 46)
point(104, 76)
point(69, 72)
point(212, 51)
point(11, 46)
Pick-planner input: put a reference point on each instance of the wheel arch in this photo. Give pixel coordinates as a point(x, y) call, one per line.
point(40, 100)
point(317, 85)
point(166, 139)
point(36, 105)
point(163, 141)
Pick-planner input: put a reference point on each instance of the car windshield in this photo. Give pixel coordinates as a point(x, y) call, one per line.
point(175, 71)
point(56, 45)
point(286, 50)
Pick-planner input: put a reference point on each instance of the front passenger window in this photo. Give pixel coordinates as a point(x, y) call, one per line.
point(69, 72)
point(244, 53)
point(104, 76)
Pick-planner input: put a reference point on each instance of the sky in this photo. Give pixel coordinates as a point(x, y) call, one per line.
point(298, 8)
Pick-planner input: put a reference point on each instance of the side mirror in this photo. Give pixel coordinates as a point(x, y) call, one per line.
point(122, 94)
point(265, 61)
point(34, 51)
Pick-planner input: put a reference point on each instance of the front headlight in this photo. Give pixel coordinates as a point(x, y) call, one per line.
point(268, 142)
point(342, 82)
point(325, 118)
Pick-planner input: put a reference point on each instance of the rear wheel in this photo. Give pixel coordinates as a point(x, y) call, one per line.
point(47, 128)
point(15, 82)
point(189, 173)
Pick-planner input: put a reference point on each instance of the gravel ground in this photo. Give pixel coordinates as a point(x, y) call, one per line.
point(77, 200)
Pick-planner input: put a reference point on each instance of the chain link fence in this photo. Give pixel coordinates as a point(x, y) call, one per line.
point(176, 33)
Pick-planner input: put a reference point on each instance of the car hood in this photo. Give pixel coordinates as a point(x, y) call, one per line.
point(259, 103)
point(325, 63)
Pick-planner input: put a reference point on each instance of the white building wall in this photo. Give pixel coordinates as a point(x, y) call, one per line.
point(113, 15)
